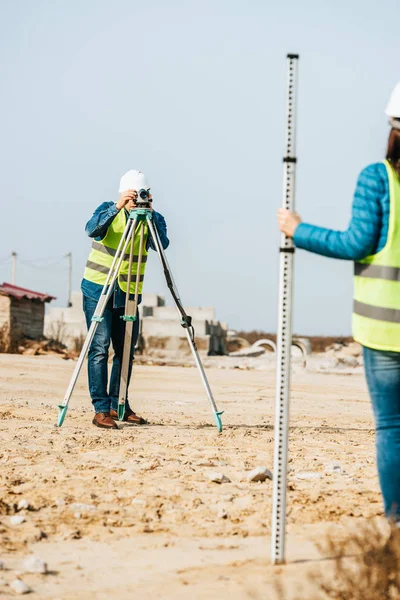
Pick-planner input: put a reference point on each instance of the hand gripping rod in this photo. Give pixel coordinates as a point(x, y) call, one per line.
point(284, 339)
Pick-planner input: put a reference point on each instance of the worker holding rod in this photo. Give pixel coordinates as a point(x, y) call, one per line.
point(372, 241)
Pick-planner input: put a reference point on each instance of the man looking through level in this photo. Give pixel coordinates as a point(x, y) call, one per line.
point(106, 228)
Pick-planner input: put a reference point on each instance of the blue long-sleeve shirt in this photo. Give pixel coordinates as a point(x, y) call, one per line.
point(97, 227)
point(368, 229)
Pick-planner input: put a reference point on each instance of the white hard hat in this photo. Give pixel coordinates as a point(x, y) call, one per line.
point(133, 180)
point(393, 108)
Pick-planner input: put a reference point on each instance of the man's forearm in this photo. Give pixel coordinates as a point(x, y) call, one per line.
point(101, 220)
point(161, 226)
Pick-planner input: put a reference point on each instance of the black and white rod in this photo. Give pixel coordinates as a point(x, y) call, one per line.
point(284, 339)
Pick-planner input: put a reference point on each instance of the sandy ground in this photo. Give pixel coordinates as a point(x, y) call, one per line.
point(132, 513)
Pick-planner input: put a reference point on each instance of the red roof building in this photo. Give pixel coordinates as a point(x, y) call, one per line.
point(7, 289)
point(21, 313)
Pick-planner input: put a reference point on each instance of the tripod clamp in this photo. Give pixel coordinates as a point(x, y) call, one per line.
point(97, 319)
point(186, 322)
point(141, 213)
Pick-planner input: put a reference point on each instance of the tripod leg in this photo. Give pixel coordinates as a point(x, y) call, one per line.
point(129, 318)
point(97, 317)
point(185, 322)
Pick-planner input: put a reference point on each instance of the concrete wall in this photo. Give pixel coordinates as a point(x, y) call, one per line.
point(69, 324)
point(198, 313)
point(168, 334)
point(66, 324)
point(152, 300)
point(160, 325)
point(172, 346)
point(149, 303)
point(152, 326)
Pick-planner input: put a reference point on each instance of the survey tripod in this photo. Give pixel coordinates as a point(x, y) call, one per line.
point(284, 339)
point(135, 226)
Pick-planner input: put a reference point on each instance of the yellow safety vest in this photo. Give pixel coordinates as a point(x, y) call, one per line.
point(376, 312)
point(103, 252)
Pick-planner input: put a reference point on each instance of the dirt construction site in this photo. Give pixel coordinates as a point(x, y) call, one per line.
point(169, 509)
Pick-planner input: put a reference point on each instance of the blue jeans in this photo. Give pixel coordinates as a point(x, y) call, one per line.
point(112, 328)
point(383, 377)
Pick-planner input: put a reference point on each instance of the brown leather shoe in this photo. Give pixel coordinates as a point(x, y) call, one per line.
point(129, 417)
point(104, 421)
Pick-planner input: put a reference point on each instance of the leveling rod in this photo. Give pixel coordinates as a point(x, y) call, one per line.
point(284, 339)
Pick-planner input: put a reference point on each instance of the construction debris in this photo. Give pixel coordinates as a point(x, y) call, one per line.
point(249, 352)
point(45, 346)
point(349, 349)
point(344, 355)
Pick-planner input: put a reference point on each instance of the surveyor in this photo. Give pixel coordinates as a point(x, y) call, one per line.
point(106, 227)
point(372, 241)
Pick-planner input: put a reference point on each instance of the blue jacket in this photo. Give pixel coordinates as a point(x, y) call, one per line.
point(368, 229)
point(97, 227)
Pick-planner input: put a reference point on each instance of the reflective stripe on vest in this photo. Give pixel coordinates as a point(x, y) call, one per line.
point(101, 248)
point(376, 312)
point(104, 251)
point(377, 272)
point(379, 313)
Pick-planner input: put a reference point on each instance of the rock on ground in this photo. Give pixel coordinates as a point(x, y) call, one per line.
point(259, 474)
point(19, 587)
point(218, 477)
point(33, 564)
point(17, 520)
point(23, 504)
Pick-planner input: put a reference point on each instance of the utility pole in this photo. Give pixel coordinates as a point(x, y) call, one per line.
point(13, 268)
point(69, 279)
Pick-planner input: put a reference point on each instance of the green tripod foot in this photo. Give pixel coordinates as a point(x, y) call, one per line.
point(62, 414)
point(217, 419)
point(121, 412)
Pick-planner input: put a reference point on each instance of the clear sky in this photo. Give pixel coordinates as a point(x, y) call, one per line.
point(192, 93)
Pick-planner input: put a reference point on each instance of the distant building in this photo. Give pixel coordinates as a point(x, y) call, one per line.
point(67, 324)
point(160, 327)
point(22, 311)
